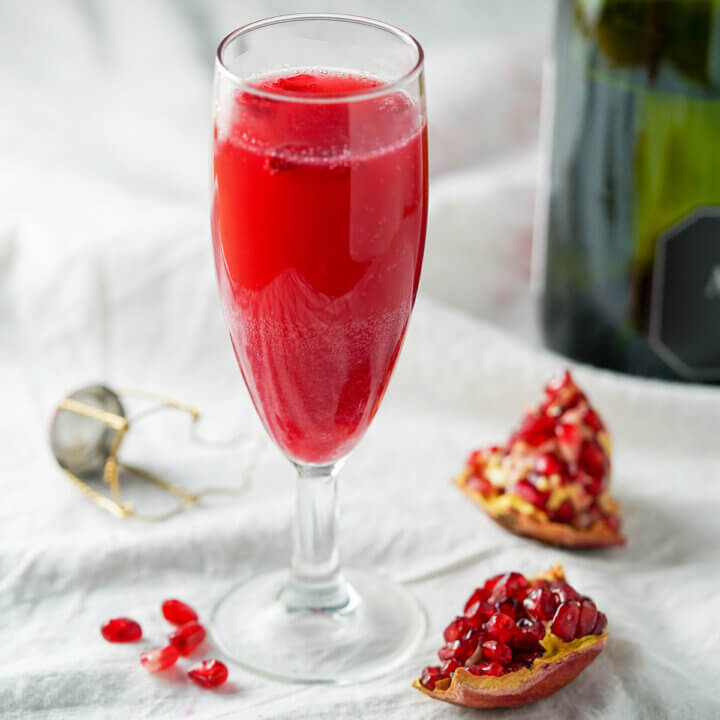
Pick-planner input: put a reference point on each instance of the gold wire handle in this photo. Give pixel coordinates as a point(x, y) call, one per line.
point(113, 466)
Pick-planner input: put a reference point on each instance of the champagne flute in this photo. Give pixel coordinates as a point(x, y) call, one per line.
point(319, 208)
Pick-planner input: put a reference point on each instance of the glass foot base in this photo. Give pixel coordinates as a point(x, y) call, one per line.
point(377, 630)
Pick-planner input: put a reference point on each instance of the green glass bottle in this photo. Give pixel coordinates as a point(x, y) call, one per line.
point(630, 253)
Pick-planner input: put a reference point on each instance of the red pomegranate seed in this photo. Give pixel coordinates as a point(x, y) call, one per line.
point(510, 585)
point(588, 618)
point(546, 464)
point(613, 522)
point(593, 459)
point(459, 650)
point(565, 622)
point(600, 624)
point(430, 675)
point(512, 607)
point(121, 630)
point(569, 437)
point(177, 612)
point(456, 629)
point(528, 492)
point(480, 484)
point(209, 673)
point(562, 591)
point(159, 659)
point(593, 421)
point(478, 613)
point(535, 429)
point(528, 635)
point(187, 637)
point(558, 383)
point(449, 667)
point(500, 627)
point(491, 668)
point(526, 658)
point(494, 650)
point(564, 513)
point(540, 603)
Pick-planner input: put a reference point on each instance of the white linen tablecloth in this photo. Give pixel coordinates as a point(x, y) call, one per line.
point(105, 275)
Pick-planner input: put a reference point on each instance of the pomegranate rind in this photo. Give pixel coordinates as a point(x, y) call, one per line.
point(545, 676)
point(519, 517)
point(560, 665)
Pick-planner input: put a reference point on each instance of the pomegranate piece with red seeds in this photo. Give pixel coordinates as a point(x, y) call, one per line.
point(457, 628)
point(187, 637)
point(159, 659)
point(506, 661)
point(178, 612)
point(121, 630)
point(551, 480)
point(209, 673)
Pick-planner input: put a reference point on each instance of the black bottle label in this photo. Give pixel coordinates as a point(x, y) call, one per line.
point(685, 299)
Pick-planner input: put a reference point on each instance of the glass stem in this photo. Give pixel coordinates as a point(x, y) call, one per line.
point(315, 580)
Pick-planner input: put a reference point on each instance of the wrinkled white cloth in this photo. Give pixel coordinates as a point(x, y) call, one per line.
point(105, 275)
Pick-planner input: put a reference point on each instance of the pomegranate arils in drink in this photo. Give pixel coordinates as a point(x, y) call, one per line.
point(187, 637)
point(565, 622)
point(121, 630)
point(491, 668)
point(540, 603)
point(588, 618)
point(500, 627)
point(178, 612)
point(494, 650)
point(209, 673)
point(159, 659)
point(430, 675)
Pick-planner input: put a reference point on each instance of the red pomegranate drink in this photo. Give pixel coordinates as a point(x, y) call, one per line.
point(318, 247)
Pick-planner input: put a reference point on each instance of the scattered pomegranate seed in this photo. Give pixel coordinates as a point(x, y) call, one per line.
point(187, 637)
point(177, 612)
point(430, 675)
point(540, 603)
point(565, 622)
point(159, 659)
point(209, 673)
point(500, 627)
point(457, 628)
point(121, 630)
point(491, 668)
point(588, 618)
point(494, 650)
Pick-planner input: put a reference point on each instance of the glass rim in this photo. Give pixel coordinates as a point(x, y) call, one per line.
point(378, 91)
